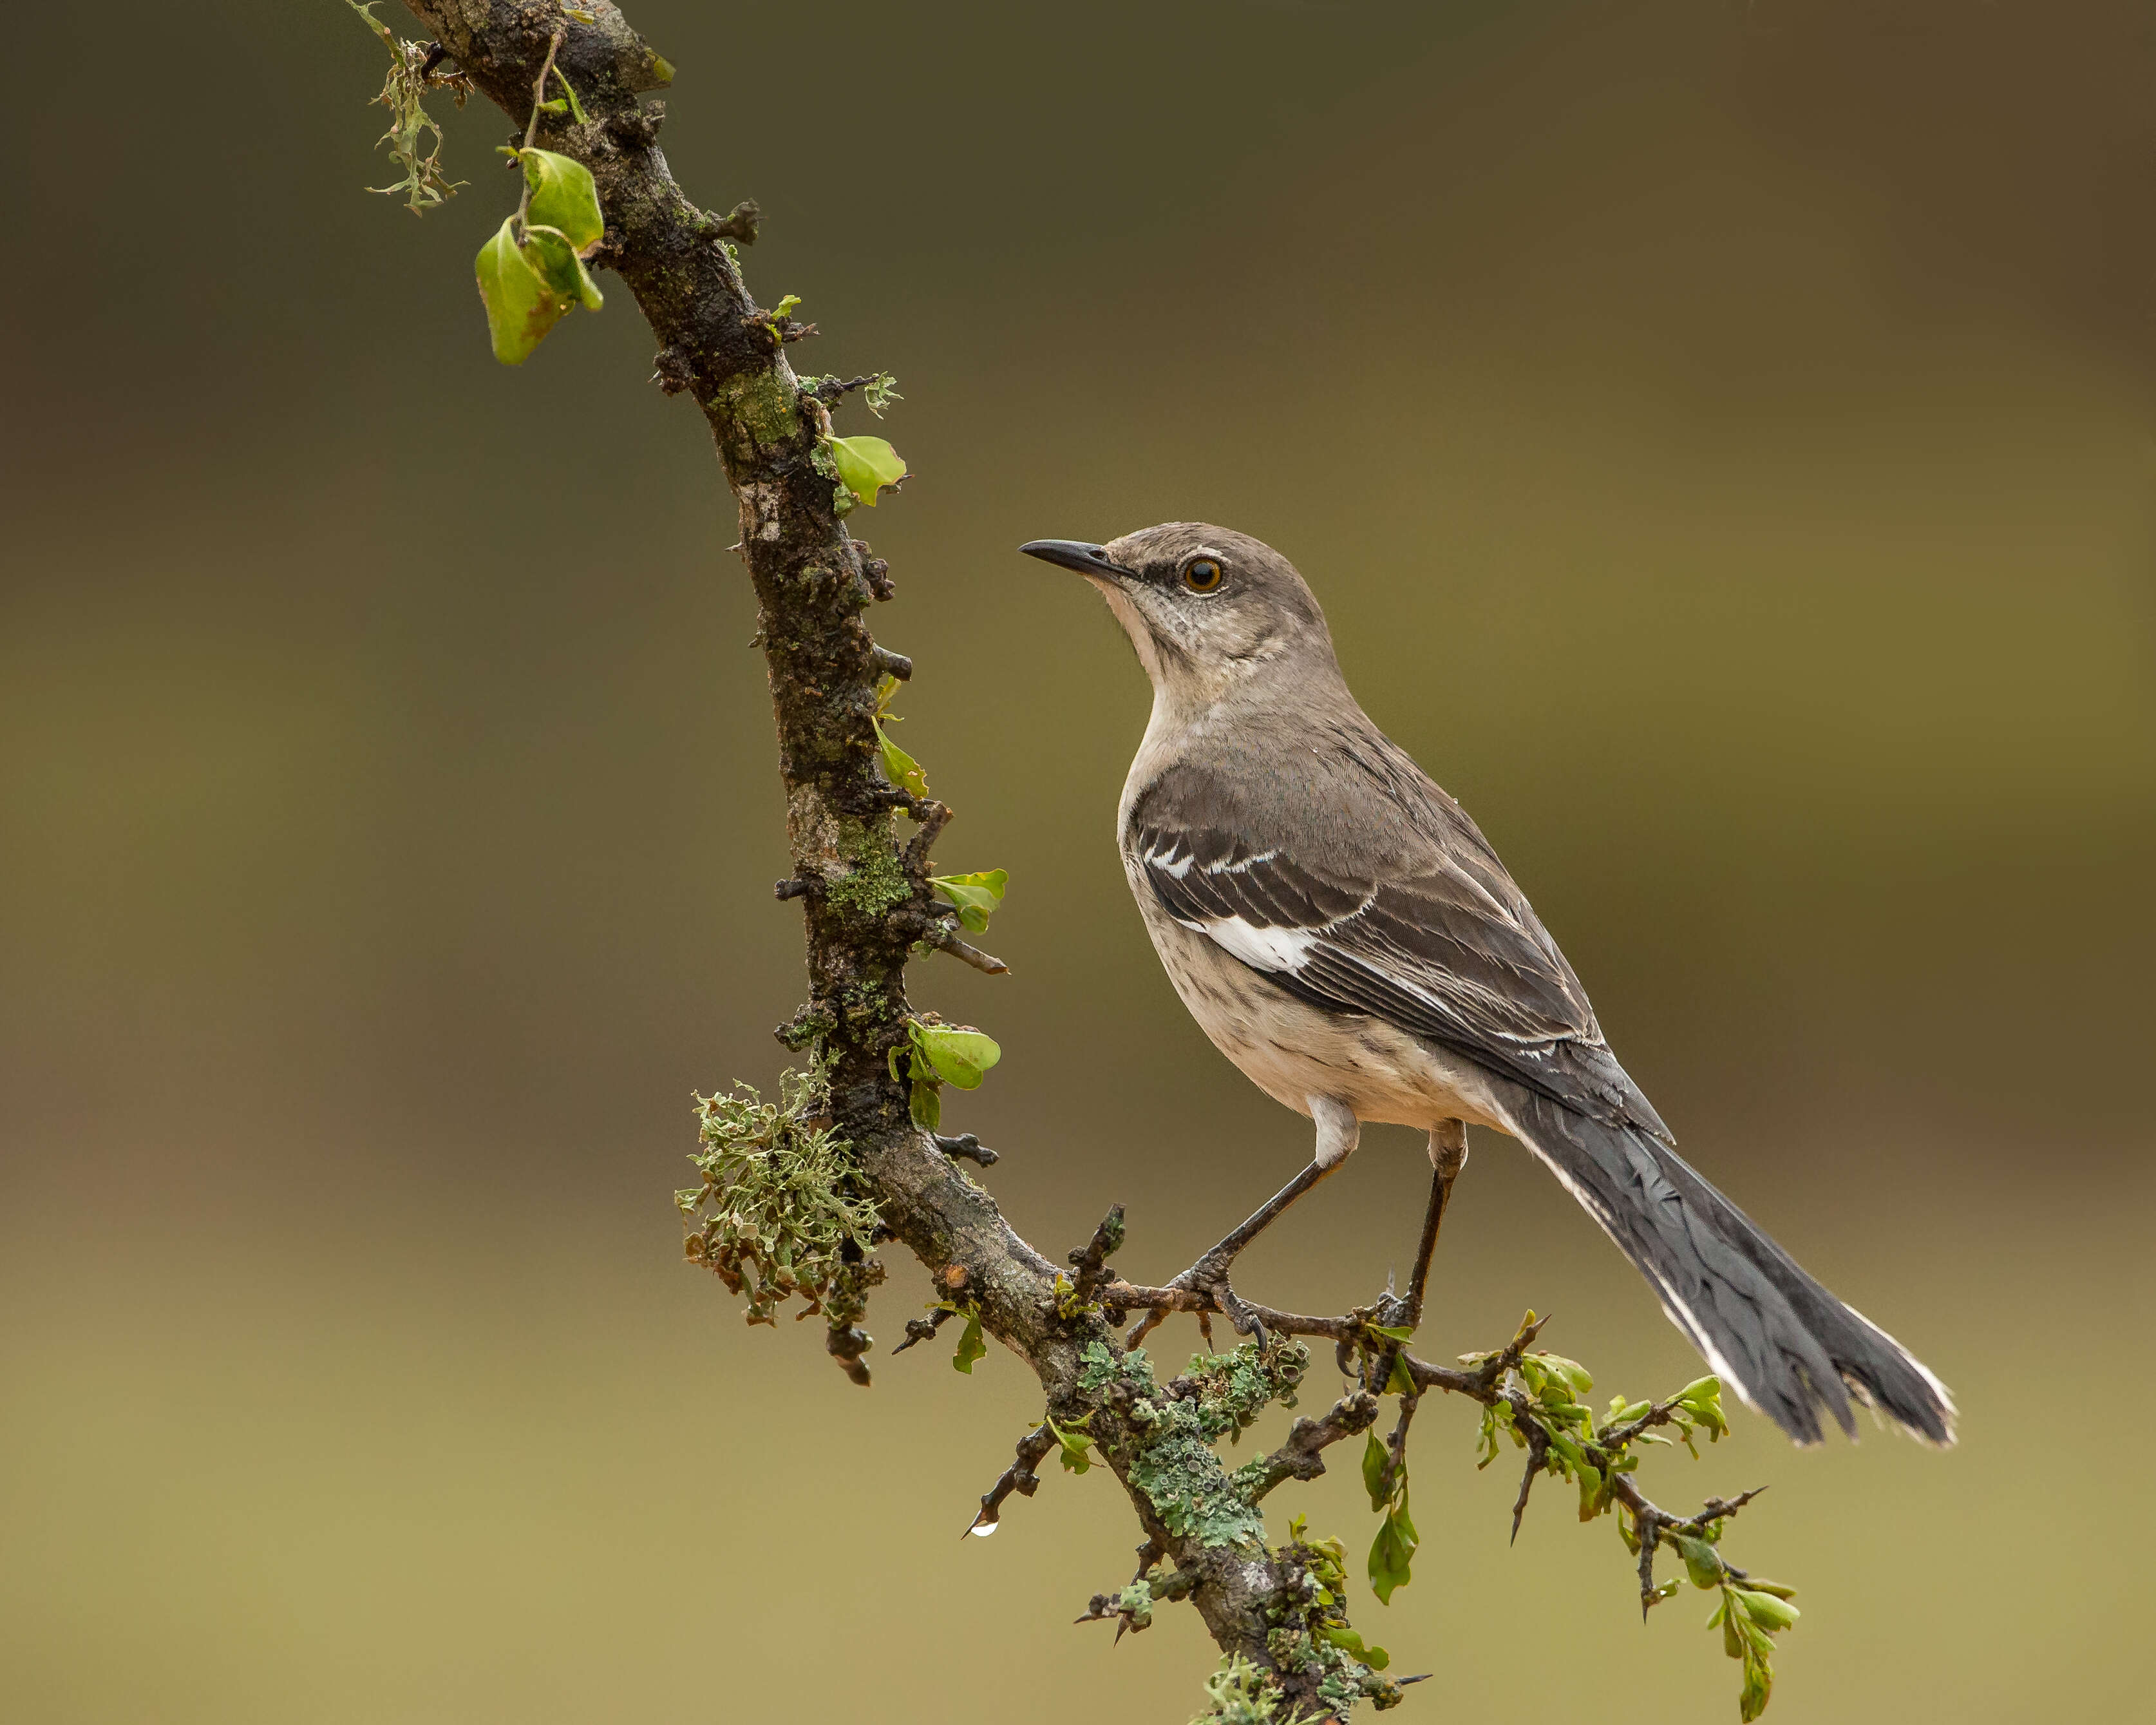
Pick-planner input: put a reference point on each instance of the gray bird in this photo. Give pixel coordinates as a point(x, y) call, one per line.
point(1344, 934)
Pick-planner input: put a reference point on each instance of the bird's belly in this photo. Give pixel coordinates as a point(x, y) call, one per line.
point(1293, 1051)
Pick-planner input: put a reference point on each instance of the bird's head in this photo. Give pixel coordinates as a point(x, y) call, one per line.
point(1209, 610)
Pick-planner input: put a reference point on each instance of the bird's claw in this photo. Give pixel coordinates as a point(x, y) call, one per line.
point(1210, 1276)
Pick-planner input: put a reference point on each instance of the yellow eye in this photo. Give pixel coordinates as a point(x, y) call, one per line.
point(1202, 575)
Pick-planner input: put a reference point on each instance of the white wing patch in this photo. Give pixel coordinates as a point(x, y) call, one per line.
point(1262, 949)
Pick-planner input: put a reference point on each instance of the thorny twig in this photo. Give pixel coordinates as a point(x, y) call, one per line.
point(1020, 1477)
point(1091, 1260)
point(1301, 1457)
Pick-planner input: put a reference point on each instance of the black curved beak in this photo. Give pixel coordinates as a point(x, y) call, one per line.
point(1076, 554)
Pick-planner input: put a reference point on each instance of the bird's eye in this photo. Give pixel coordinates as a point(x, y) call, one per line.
point(1202, 575)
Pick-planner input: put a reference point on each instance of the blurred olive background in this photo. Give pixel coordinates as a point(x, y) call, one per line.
point(1721, 435)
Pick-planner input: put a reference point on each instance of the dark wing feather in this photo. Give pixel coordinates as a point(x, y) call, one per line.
point(1434, 938)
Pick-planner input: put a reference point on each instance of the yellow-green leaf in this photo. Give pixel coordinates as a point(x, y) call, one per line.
point(1767, 1611)
point(1375, 1460)
point(866, 465)
point(521, 303)
point(563, 196)
point(971, 1347)
point(974, 896)
point(901, 769)
point(569, 89)
point(960, 1057)
point(549, 250)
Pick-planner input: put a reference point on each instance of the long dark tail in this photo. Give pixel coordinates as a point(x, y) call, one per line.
point(1772, 1334)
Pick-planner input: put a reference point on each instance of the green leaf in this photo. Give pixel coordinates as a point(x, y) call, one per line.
point(866, 465)
point(971, 1347)
point(1701, 1561)
point(1758, 1687)
point(563, 197)
point(1392, 1332)
point(1400, 1382)
point(924, 1104)
point(1575, 1376)
point(522, 304)
point(549, 248)
point(901, 769)
point(1765, 1610)
point(1375, 1455)
point(1392, 1553)
point(974, 896)
point(1590, 1491)
point(569, 89)
point(1348, 1641)
point(1073, 1455)
point(960, 1056)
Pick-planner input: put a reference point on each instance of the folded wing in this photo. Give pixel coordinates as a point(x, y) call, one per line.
point(1444, 945)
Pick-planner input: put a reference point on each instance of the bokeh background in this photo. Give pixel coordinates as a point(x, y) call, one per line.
point(1721, 435)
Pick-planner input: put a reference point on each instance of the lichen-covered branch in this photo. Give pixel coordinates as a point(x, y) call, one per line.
point(857, 1135)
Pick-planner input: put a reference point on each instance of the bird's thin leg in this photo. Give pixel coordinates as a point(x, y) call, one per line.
point(1448, 1156)
point(1337, 1132)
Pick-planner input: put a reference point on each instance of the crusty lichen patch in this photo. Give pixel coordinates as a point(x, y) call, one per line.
point(874, 880)
point(1173, 1461)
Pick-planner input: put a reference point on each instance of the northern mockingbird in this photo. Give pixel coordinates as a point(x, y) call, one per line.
point(1344, 934)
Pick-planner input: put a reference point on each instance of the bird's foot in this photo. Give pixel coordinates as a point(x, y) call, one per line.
point(1207, 1276)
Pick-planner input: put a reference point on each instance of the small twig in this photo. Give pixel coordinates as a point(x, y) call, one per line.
point(1019, 1477)
point(741, 225)
point(966, 1147)
point(531, 126)
point(1176, 1584)
point(1396, 1446)
point(831, 391)
point(1301, 1457)
point(896, 664)
point(933, 817)
point(920, 1329)
point(945, 938)
point(1538, 1454)
point(1090, 1260)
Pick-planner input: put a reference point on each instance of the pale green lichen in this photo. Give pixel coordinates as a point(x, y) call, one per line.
point(764, 407)
point(1241, 1693)
point(1173, 1462)
point(875, 882)
point(775, 1211)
